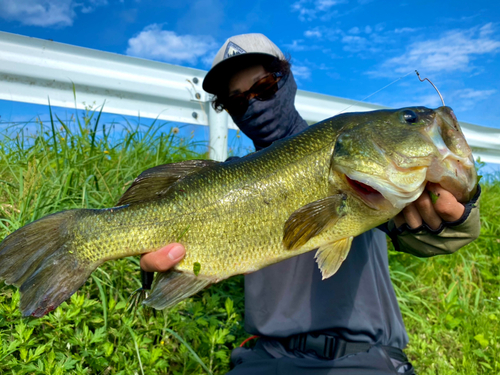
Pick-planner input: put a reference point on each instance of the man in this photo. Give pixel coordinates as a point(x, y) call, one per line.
point(349, 323)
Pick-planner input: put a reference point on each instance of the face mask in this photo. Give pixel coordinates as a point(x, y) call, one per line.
point(267, 121)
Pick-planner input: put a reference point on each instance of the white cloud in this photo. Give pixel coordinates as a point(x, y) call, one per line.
point(431, 100)
point(92, 4)
point(357, 39)
point(486, 30)
point(461, 100)
point(354, 43)
point(39, 12)
point(323, 5)
point(466, 99)
point(454, 51)
point(304, 13)
point(405, 30)
point(301, 72)
point(356, 30)
point(311, 9)
point(45, 13)
point(474, 94)
point(313, 33)
point(155, 43)
point(299, 45)
point(295, 46)
point(322, 32)
point(208, 59)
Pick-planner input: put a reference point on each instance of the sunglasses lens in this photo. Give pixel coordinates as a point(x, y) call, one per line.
point(262, 90)
point(266, 92)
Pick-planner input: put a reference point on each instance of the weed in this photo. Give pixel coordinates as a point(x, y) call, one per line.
point(79, 165)
point(450, 303)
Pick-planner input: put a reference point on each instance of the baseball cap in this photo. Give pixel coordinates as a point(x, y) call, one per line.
point(236, 52)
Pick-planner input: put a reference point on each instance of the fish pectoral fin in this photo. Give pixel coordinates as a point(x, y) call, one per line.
point(330, 256)
point(171, 287)
point(155, 182)
point(310, 220)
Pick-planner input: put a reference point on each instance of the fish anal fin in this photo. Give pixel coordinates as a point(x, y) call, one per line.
point(330, 256)
point(311, 219)
point(155, 182)
point(172, 286)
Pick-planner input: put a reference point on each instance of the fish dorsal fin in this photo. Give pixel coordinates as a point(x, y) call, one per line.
point(155, 182)
point(330, 256)
point(310, 220)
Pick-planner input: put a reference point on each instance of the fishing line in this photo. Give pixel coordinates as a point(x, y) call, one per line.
point(400, 78)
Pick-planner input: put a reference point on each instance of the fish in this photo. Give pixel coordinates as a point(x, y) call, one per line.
point(316, 190)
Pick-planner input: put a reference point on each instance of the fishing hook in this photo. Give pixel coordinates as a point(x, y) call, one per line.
point(427, 79)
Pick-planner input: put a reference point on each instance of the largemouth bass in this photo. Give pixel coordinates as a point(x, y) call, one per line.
point(316, 190)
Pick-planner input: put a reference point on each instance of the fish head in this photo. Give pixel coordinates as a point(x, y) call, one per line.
point(388, 156)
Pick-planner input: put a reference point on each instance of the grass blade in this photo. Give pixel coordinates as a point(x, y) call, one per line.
point(103, 299)
point(193, 353)
point(56, 157)
point(136, 348)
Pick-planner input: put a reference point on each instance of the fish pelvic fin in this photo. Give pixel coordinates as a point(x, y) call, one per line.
point(38, 258)
point(330, 256)
point(311, 219)
point(155, 182)
point(172, 286)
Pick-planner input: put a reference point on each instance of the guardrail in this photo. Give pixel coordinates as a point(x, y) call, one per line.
point(33, 70)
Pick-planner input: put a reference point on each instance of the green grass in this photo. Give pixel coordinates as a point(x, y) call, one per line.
point(450, 304)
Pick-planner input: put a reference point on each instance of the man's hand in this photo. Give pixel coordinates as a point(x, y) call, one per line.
point(163, 259)
point(445, 207)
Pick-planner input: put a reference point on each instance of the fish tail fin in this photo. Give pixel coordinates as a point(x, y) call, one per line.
point(40, 260)
point(172, 286)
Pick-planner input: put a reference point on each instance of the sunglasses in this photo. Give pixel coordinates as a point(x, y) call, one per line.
point(262, 90)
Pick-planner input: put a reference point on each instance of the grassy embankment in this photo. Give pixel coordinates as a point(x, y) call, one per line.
point(450, 304)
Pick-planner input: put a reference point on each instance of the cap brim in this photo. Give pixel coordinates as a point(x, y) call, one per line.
point(217, 77)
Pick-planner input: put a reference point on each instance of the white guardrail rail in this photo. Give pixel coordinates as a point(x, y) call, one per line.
point(34, 70)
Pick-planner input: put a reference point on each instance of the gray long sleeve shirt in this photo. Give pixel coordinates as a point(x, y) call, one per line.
point(358, 302)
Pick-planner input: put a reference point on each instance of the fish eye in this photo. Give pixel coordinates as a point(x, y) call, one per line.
point(409, 116)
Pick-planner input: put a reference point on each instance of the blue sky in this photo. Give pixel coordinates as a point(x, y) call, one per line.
point(346, 48)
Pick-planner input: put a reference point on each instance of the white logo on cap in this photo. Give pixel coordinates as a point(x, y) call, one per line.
point(233, 49)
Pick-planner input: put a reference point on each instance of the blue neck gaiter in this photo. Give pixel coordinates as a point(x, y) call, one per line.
point(267, 121)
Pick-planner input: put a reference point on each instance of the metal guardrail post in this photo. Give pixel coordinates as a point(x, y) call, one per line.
point(218, 123)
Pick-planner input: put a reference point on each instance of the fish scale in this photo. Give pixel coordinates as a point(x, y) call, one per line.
point(315, 190)
point(219, 222)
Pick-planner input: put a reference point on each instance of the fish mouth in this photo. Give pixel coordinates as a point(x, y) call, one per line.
point(396, 190)
point(369, 195)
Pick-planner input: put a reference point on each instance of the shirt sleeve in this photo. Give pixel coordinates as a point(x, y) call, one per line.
point(448, 238)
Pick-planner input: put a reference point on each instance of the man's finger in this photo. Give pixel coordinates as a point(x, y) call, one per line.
point(412, 216)
point(426, 210)
point(446, 206)
point(163, 259)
